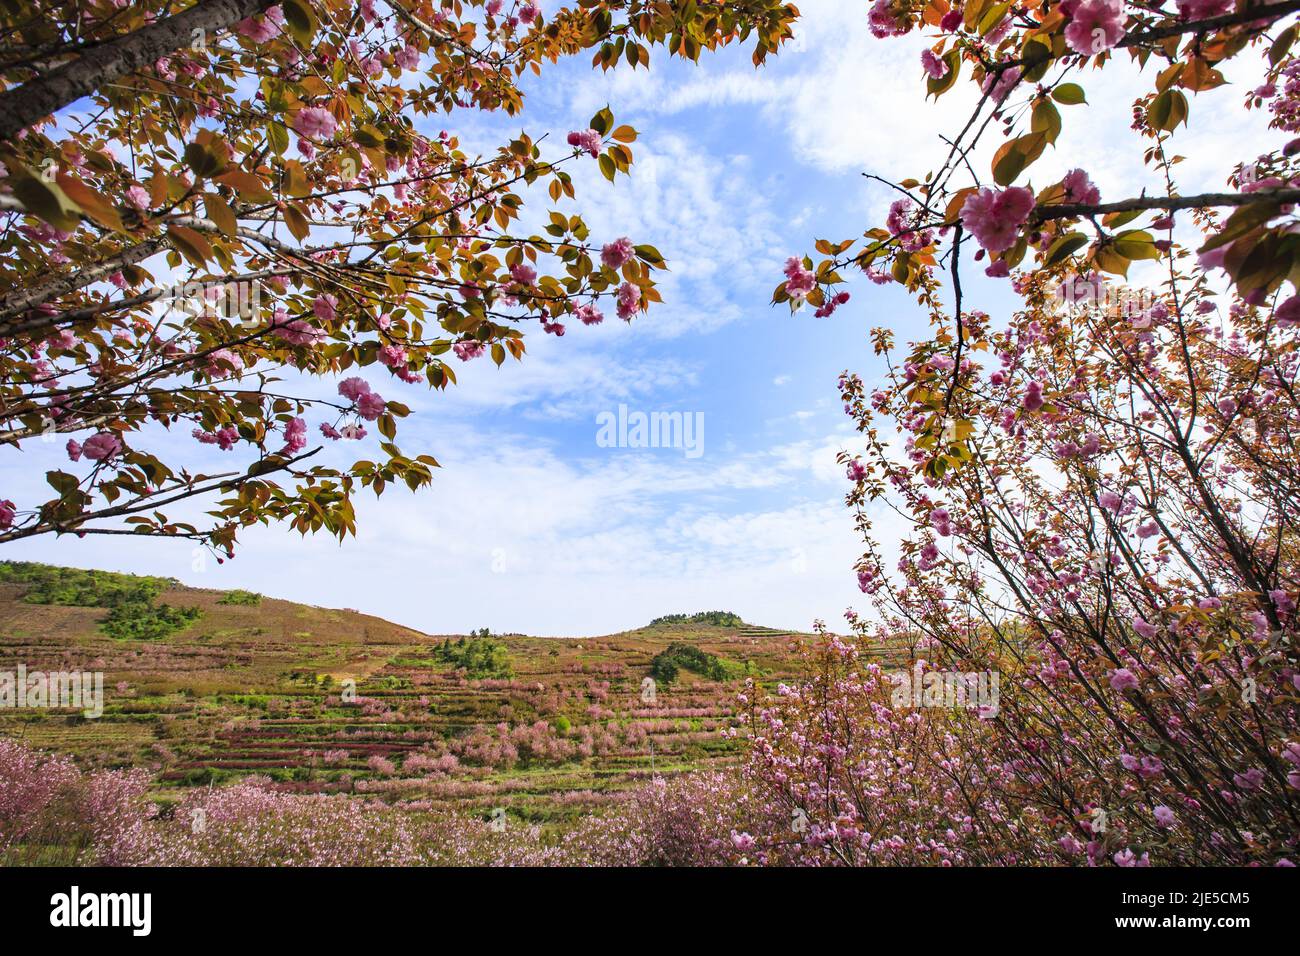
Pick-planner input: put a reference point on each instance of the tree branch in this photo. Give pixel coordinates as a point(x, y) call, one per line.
point(1171, 203)
point(44, 95)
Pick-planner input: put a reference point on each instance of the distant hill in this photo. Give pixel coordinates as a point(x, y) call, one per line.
point(203, 686)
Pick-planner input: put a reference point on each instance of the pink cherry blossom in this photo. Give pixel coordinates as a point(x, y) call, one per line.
point(999, 83)
point(469, 349)
point(523, 273)
point(101, 446)
point(1287, 314)
point(370, 406)
point(586, 140)
point(353, 388)
point(798, 280)
point(222, 363)
point(994, 217)
point(933, 64)
point(295, 436)
point(137, 197)
point(1079, 188)
point(325, 307)
point(1252, 779)
point(261, 29)
point(1095, 26)
point(1204, 9)
point(223, 438)
point(1122, 679)
point(615, 254)
point(295, 331)
point(886, 18)
point(588, 314)
point(392, 355)
point(629, 295)
point(315, 122)
point(1144, 628)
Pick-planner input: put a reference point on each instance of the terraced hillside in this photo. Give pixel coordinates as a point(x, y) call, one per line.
point(324, 700)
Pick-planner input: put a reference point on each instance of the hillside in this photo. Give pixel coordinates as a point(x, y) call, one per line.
point(546, 727)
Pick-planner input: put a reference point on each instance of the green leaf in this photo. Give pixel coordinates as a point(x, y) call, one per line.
point(649, 254)
point(602, 121)
point(219, 211)
point(1281, 45)
point(937, 87)
point(46, 200)
point(1046, 119)
point(301, 19)
point(1136, 244)
point(278, 133)
point(1167, 110)
point(1244, 220)
point(1013, 156)
point(1064, 247)
point(62, 482)
point(297, 222)
point(190, 244)
point(202, 160)
point(1069, 94)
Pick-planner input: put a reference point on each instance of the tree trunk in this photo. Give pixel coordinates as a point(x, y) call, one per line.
point(40, 97)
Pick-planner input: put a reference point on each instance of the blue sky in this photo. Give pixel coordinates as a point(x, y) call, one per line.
point(531, 526)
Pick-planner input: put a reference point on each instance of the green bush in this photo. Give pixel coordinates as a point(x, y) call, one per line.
point(241, 597)
point(479, 657)
point(667, 664)
point(132, 614)
point(714, 618)
point(75, 587)
point(141, 621)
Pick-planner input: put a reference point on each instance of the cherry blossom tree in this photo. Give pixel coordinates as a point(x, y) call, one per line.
point(203, 203)
point(1098, 489)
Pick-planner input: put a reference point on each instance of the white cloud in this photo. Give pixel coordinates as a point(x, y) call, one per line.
point(517, 536)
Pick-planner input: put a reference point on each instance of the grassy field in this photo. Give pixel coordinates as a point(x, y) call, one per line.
point(325, 700)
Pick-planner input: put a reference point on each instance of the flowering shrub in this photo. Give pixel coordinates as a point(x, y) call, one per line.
point(33, 782)
point(1098, 488)
point(1115, 533)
